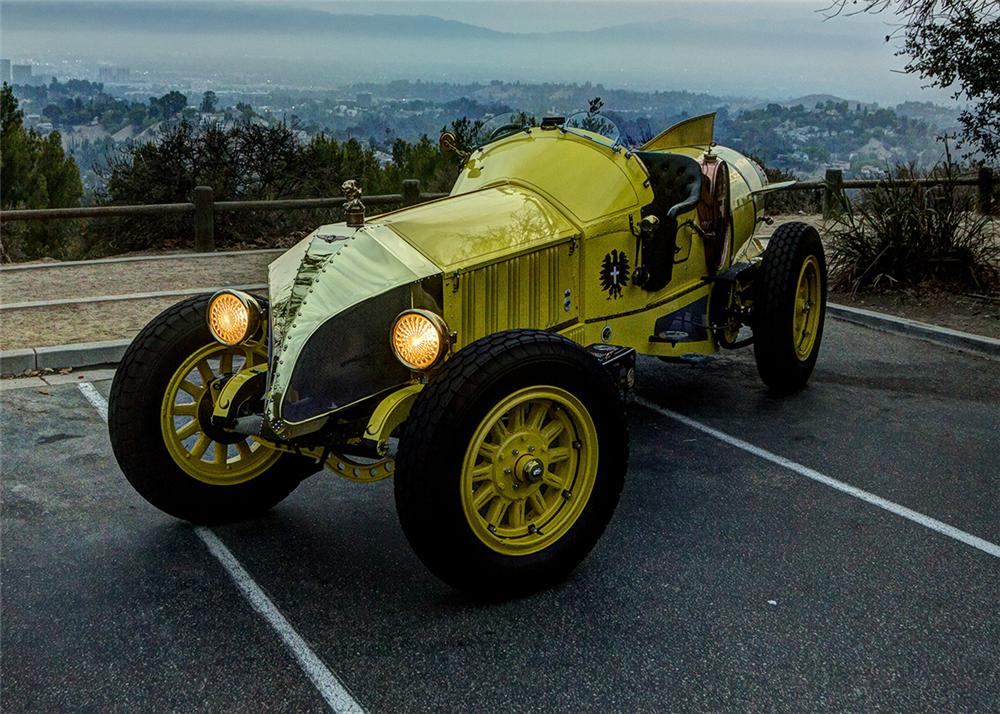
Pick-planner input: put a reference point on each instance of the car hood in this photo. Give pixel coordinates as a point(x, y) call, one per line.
point(470, 229)
point(327, 273)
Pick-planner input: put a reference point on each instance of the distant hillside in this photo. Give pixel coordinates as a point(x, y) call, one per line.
point(811, 100)
point(236, 17)
point(225, 17)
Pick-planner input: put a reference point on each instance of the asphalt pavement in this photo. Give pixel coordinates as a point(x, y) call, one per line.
point(727, 581)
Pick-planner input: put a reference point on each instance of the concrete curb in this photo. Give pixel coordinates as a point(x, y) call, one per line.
point(918, 330)
point(81, 354)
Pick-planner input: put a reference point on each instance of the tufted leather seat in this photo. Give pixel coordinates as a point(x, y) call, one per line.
point(676, 182)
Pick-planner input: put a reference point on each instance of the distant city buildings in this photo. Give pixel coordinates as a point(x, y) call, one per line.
point(113, 75)
point(21, 74)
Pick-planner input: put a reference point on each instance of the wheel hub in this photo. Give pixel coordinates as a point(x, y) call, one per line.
point(529, 470)
point(532, 470)
point(520, 465)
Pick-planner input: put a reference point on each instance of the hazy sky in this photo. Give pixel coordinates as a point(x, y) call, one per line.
point(776, 49)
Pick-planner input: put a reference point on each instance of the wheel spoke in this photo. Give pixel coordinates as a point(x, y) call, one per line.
point(186, 409)
point(243, 450)
point(481, 473)
point(205, 370)
point(538, 504)
point(553, 480)
point(516, 514)
point(517, 418)
point(558, 454)
point(499, 431)
point(497, 510)
point(189, 429)
point(193, 389)
point(200, 446)
point(226, 362)
point(483, 495)
point(552, 431)
point(536, 417)
point(488, 451)
point(221, 454)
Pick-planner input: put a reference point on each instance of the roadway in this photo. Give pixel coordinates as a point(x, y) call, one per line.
point(833, 550)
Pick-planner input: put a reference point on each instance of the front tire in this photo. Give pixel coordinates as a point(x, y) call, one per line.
point(159, 421)
point(511, 463)
point(789, 307)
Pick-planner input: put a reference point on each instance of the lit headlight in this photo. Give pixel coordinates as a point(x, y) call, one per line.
point(233, 316)
point(419, 339)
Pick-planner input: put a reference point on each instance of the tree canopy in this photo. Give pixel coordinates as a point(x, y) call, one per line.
point(953, 44)
point(36, 174)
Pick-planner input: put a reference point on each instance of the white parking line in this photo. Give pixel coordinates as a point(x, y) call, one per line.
point(95, 398)
point(330, 688)
point(335, 694)
point(902, 511)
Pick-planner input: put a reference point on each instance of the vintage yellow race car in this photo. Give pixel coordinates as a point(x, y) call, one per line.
point(478, 348)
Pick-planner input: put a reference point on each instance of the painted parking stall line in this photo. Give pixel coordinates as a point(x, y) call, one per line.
point(95, 398)
point(329, 687)
point(334, 693)
point(883, 503)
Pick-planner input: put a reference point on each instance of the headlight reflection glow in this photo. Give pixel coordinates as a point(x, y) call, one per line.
point(419, 339)
point(233, 317)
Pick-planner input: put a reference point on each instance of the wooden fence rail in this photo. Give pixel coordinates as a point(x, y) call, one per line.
point(204, 207)
point(834, 184)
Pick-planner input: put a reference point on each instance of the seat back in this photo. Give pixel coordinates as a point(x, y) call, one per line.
point(676, 183)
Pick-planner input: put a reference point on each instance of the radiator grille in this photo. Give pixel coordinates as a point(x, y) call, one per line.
point(527, 291)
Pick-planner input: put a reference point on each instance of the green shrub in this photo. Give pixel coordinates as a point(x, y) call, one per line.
point(243, 161)
point(902, 234)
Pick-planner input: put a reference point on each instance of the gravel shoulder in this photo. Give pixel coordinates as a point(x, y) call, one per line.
point(94, 322)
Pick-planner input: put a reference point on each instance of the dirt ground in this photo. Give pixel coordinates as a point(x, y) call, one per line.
point(82, 280)
point(968, 313)
point(93, 322)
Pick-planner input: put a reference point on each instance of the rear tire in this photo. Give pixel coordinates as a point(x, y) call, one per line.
point(241, 478)
point(789, 307)
point(500, 486)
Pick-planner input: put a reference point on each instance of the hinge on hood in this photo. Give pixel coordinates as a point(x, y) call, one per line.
point(572, 243)
point(454, 285)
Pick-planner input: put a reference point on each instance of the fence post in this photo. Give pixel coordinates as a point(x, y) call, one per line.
point(204, 219)
point(985, 190)
point(831, 192)
point(411, 192)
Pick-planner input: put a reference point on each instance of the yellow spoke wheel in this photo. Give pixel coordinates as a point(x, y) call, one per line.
point(160, 424)
point(203, 452)
point(788, 308)
point(529, 470)
point(807, 308)
point(511, 462)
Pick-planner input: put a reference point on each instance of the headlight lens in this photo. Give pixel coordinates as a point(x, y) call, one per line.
point(233, 317)
point(419, 339)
